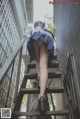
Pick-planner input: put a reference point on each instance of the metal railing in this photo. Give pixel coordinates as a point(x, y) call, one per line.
point(10, 75)
point(72, 88)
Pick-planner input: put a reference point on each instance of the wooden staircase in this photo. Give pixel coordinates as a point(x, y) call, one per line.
point(24, 90)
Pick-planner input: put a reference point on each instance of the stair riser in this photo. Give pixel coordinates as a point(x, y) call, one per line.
point(50, 75)
point(37, 91)
point(47, 113)
point(55, 65)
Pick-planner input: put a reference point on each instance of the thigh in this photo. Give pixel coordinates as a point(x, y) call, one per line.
point(37, 50)
point(43, 56)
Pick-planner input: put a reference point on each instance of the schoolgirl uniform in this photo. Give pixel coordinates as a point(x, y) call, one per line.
point(41, 35)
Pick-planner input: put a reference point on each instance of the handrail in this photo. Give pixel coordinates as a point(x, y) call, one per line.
point(9, 61)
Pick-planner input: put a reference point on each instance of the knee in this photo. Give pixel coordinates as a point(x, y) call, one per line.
point(43, 66)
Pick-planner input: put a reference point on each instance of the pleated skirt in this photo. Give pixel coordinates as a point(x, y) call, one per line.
point(46, 39)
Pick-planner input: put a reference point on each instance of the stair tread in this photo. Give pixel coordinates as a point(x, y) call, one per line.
point(47, 113)
point(54, 57)
point(51, 65)
point(50, 75)
point(36, 90)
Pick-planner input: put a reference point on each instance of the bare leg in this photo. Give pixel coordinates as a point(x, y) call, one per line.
point(41, 65)
point(37, 53)
point(43, 69)
point(38, 68)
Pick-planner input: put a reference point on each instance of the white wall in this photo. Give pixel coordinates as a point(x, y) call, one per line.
point(20, 15)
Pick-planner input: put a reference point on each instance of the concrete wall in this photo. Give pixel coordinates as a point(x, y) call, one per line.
point(67, 20)
point(20, 14)
point(29, 8)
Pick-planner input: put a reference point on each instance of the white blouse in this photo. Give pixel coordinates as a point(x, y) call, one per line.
point(39, 29)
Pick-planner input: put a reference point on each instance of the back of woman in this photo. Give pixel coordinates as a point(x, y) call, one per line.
point(41, 48)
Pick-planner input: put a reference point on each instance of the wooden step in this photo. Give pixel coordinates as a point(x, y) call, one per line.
point(48, 90)
point(47, 113)
point(51, 65)
point(50, 75)
point(54, 58)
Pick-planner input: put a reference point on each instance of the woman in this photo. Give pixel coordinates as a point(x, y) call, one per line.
point(41, 48)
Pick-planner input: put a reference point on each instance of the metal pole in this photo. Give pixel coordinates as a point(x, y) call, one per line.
point(9, 84)
point(18, 75)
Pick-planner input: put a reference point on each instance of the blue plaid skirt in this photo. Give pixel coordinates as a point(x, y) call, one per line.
point(48, 41)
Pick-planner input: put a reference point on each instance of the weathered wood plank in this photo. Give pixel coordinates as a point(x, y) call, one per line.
point(50, 75)
point(47, 113)
point(48, 90)
point(51, 65)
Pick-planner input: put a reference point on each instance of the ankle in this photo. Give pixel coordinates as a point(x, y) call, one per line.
point(41, 96)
